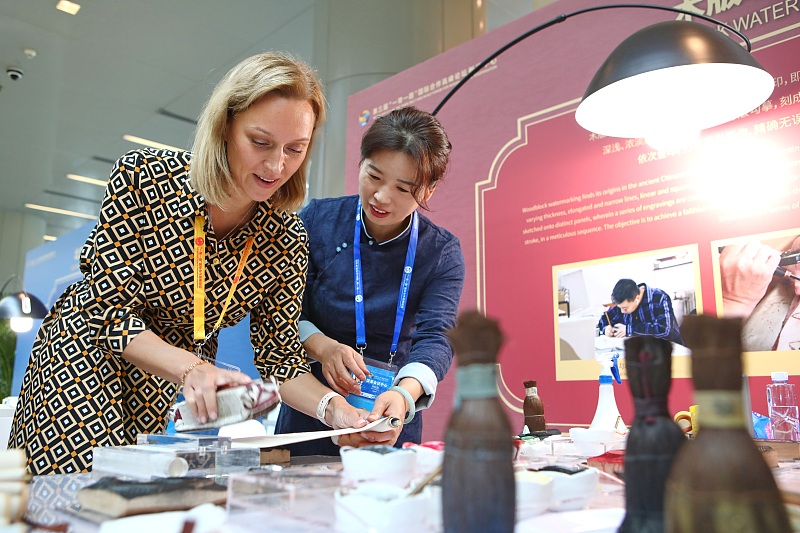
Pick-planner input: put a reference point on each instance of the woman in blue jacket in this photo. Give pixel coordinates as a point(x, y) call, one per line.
point(383, 284)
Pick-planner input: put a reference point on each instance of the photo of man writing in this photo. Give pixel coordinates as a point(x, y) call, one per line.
point(640, 310)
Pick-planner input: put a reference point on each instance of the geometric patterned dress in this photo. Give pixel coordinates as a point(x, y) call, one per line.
point(137, 264)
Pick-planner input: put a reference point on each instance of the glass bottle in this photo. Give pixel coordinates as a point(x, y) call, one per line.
point(720, 482)
point(782, 402)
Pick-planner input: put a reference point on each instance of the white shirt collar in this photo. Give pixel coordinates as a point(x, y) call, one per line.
point(406, 230)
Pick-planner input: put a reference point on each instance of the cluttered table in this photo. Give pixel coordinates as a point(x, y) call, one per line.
point(313, 495)
point(558, 489)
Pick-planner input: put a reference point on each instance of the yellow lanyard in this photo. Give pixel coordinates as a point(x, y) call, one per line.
point(200, 283)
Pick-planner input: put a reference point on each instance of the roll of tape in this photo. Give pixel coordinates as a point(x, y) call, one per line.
point(684, 420)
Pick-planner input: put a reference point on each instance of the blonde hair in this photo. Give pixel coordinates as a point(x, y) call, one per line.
point(242, 86)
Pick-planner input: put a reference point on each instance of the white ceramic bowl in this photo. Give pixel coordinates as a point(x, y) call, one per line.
point(534, 493)
point(428, 458)
point(593, 442)
point(384, 508)
point(381, 464)
point(572, 491)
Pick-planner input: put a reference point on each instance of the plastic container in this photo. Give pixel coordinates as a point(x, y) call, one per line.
point(606, 416)
point(783, 412)
point(607, 430)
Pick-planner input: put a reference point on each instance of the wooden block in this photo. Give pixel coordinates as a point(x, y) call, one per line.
point(274, 456)
point(788, 450)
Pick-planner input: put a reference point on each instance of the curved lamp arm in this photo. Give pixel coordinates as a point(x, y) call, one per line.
point(562, 18)
point(21, 307)
point(5, 285)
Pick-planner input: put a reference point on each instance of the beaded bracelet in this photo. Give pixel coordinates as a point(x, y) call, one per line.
point(190, 368)
point(412, 406)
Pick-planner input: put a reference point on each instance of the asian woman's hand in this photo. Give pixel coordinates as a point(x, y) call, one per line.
point(390, 404)
point(340, 363)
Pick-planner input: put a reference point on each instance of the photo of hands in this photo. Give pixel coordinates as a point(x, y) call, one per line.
point(757, 278)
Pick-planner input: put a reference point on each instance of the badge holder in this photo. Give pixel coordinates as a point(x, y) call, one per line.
point(378, 381)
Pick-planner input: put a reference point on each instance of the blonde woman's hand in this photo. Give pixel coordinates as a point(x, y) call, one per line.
point(200, 388)
point(340, 414)
point(347, 416)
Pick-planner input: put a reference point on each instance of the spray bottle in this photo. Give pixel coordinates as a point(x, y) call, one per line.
point(607, 416)
point(607, 430)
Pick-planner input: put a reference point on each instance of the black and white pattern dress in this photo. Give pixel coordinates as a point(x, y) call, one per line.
point(78, 392)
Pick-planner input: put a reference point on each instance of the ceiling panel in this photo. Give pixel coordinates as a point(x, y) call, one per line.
point(108, 71)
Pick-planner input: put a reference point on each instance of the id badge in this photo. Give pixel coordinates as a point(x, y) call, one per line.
point(378, 381)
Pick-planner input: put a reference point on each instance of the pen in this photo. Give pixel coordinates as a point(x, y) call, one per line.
point(781, 272)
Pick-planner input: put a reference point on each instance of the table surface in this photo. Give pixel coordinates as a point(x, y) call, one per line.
point(51, 497)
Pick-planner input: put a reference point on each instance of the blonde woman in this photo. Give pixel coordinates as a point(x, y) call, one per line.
point(111, 356)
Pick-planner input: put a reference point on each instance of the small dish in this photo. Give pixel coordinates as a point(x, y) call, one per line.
point(572, 491)
point(382, 464)
point(384, 508)
point(534, 492)
point(429, 456)
point(592, 442)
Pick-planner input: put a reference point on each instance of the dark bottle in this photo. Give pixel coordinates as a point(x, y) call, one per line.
point(533, 408)
point(654, 438)
point(719, 482)
point(478, 491)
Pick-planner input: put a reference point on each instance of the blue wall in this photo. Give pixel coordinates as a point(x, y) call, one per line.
point(52, 267)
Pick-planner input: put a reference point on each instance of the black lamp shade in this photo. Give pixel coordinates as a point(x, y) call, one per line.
point(669, 76)
point(22, 304)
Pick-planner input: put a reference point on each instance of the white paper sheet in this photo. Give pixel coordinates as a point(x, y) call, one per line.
point(272, 441)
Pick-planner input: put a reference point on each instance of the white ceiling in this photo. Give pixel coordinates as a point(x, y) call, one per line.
point(139, 67)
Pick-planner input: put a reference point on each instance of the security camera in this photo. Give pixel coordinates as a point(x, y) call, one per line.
point(15, 73)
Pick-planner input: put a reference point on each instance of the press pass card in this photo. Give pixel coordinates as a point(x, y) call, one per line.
point(378, 381)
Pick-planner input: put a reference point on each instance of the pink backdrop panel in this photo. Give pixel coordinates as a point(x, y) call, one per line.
point(535, 199)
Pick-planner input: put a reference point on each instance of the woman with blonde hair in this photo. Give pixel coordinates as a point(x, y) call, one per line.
point(186, 244)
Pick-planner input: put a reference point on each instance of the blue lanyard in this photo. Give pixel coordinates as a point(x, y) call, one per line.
point(405, 284)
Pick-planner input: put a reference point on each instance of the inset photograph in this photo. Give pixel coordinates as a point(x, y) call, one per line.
point(602, 302)
point(757, 278)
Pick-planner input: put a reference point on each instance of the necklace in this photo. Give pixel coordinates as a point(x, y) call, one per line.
point(238, 223)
